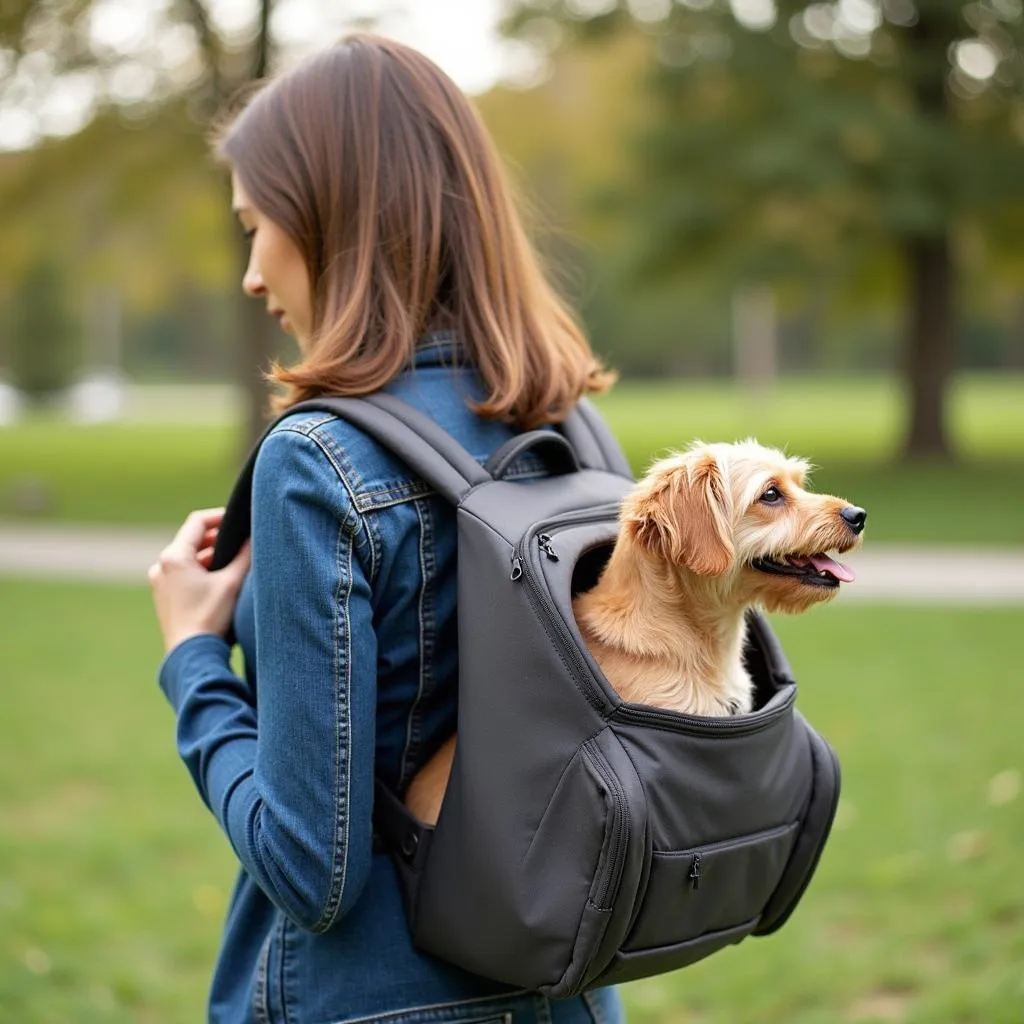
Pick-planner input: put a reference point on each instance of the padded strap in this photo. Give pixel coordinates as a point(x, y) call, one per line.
point(416, 439)
point(429, 451)
point(595, 445)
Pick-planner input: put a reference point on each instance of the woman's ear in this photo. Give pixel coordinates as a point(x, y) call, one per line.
point(679, 513)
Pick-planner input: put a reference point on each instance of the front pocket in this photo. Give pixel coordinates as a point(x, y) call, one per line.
point(709, 888)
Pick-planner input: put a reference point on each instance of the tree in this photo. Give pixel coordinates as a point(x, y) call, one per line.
point(42, 46)
point(43, 343)
point(796, 141)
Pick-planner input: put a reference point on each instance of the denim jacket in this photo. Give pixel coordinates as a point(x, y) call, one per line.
point(348, 630)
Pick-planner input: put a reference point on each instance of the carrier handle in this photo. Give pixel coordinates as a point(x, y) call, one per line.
point(558, 454)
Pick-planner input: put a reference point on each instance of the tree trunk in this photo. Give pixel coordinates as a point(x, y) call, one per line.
point(930, 271)
point(930, 349)
point(257, 339)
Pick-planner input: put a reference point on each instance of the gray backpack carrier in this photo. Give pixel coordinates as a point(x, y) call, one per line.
point(583, 840)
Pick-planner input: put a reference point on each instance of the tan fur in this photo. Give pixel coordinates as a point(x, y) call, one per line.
point(665, 622)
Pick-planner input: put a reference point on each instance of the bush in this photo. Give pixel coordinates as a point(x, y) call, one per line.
point(44, 350)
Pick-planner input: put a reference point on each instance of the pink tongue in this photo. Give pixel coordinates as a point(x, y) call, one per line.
point(825, 564)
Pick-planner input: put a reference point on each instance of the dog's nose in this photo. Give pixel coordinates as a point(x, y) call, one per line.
point(855, 517)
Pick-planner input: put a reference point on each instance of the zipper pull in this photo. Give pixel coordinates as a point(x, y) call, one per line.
point(517, 568)
point(694, 876)
point(545, 545)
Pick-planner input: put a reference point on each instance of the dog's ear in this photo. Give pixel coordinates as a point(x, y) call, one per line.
point(682, 517)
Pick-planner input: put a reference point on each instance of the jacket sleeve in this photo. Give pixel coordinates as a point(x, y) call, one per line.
point(293, 788)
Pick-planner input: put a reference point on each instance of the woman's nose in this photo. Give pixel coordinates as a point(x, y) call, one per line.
point(252, 282)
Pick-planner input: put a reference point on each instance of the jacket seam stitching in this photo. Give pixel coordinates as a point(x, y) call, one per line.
point(260, 1009)
point(364, 507)
point(347, 473)
point(281, 942)
point(423, 516)
point(415, 488)
point(342, 748)
point(344, 469)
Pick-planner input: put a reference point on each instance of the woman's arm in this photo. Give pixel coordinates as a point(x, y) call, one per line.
point(295, 794)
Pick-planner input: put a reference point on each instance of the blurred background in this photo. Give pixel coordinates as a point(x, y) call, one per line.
point(799, 221)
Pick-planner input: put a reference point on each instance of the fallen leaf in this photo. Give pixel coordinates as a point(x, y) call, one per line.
point(1004, 788)
point(967, 845)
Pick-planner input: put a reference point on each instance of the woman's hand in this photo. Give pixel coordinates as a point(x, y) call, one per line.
point(189, 598)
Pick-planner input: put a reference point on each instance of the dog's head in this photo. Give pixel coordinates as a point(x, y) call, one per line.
point(738, 516)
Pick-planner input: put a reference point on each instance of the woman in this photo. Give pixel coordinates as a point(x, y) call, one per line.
point(384, 239)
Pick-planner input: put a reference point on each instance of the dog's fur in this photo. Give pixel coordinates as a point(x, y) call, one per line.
point(665, 621)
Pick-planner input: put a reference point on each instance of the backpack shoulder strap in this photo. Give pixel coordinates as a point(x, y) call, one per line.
point(596, 446)
point(416, 439)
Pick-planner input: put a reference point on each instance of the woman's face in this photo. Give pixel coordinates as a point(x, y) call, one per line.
point(276, 272)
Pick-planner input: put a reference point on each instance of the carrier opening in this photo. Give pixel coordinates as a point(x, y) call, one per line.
point(587, 572)
point(589, 567)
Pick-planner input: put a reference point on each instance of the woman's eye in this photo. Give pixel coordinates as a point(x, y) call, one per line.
point(249, 234)
point(771, 496)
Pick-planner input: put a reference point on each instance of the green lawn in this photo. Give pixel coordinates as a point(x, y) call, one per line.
point(849, 429)
point(114, 878)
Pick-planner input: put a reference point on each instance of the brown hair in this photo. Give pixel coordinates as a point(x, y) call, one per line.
point(381, 171)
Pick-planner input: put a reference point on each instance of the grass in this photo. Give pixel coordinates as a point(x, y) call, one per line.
point(150, 474)
point(114, 878)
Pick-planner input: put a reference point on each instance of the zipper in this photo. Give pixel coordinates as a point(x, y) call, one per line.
point(544, 542)
point(735, 725)
point(694, 875)
point(698, 853)
point(620, 834)
point(747, 840)
point(540, 531)
point(526, 567)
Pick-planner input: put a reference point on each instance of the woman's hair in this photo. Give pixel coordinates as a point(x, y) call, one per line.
point(381, 171)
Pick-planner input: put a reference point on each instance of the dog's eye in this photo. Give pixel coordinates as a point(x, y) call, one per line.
point(772, 496)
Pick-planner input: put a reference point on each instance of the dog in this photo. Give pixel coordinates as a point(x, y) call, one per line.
point(705, 535)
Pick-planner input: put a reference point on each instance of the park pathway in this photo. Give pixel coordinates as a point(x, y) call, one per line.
point(885, 572)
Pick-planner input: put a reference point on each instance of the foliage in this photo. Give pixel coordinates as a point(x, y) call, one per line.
point(820, 116)
point(171, 63)
point(114, 878)
point(44, 339)
point(809, 144)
